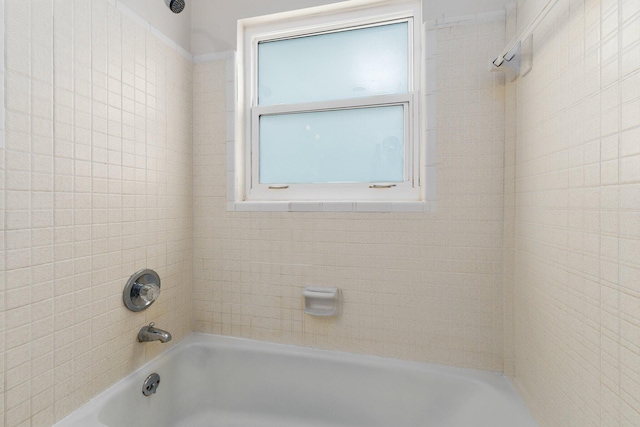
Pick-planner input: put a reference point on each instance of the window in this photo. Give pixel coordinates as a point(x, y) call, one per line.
point(329, 104)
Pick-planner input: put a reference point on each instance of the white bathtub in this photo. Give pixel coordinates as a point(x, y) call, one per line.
point(214, 381)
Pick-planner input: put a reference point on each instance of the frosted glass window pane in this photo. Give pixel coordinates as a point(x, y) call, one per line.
point(347, 64)
point(342, 146)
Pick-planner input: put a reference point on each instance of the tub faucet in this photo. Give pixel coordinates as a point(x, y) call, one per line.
point(150, 333)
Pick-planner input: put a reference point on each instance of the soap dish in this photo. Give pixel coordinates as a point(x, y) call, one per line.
point(320, 301)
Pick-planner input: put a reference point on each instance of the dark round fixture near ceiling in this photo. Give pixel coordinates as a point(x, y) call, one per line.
point(176, 6)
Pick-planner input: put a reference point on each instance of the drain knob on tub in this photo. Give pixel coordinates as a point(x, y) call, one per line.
point(150, 385)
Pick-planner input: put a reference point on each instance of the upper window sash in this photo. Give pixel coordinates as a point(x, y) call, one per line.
point(253, 31)
point(376, 56)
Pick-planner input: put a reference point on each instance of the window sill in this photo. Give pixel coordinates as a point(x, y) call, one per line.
point(413, 207)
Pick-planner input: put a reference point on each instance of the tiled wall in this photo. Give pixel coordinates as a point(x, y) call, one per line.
point(577, 288)
point(2, 280)
point(425, 287)
point(2, 287)
point(509, 258)
point(97, 185)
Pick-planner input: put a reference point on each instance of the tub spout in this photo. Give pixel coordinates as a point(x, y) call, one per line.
point(151, 333)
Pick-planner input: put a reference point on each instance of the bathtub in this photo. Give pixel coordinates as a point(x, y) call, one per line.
point(213, 381)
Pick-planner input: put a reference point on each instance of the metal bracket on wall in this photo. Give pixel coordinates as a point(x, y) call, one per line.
point(519, 59)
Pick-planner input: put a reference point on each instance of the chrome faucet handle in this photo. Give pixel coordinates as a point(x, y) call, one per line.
point(152, 325)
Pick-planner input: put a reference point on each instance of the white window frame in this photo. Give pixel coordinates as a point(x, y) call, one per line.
point(321, 20)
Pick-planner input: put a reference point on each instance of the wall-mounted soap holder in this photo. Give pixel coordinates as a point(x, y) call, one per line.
point(141, 290)
point(320, 301)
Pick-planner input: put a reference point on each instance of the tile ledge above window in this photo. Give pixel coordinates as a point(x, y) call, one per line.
point(340, 206)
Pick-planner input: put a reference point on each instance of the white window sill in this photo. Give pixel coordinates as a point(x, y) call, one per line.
point(415, 207)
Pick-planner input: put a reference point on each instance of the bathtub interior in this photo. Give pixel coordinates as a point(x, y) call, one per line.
point(222, 382)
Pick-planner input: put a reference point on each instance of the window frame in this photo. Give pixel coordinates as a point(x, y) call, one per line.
point(315, 21)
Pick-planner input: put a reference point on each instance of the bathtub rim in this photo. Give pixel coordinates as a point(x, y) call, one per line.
point(88, 413)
